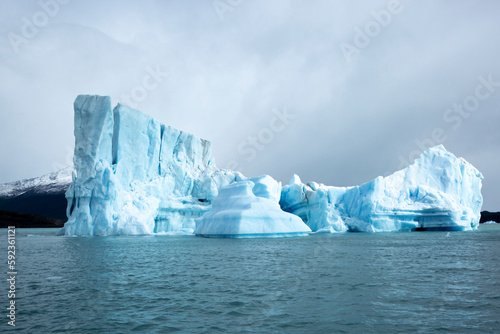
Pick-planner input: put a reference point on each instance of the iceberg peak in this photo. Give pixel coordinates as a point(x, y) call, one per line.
point(295, 179)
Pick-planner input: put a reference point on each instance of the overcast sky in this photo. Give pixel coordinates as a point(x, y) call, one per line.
point(337, 92)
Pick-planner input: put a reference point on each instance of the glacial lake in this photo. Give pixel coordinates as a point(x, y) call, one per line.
point(420, 282)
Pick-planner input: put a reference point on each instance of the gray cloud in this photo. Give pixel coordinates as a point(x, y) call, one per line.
point(222, 79)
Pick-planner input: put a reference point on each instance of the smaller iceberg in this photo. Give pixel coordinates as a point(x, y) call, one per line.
point(490, 222)
point(250, 208)
point(437, 192)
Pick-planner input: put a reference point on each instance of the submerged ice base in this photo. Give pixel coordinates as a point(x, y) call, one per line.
point(134, 175)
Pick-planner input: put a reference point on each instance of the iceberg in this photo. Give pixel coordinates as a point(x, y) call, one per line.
point(250, 208)
point(134, 175)
point(437, 192)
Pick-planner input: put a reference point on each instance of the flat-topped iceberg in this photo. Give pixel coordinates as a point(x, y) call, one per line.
point(134, 175)
point(250, 208)
point(439, 191)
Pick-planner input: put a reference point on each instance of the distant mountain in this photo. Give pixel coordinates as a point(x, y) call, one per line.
point(44, 196)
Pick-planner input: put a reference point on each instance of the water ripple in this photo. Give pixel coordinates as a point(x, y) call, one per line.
point(369, 283)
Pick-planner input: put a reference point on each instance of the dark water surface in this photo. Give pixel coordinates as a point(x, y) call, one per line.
point(358, 283)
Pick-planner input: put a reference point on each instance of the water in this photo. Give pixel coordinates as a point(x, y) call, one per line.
point(360, 283)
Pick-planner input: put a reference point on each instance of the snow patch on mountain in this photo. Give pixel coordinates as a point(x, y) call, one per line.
point(52, 183)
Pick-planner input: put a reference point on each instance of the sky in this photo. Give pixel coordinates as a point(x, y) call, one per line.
point(338, 92)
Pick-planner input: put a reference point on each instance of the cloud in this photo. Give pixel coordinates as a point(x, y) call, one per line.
point(224, 78)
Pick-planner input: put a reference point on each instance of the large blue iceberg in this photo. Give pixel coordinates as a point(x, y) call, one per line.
point(134, 175)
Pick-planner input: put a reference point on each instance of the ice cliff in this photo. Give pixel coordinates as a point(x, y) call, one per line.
point(250, 208)
point(438, 191)
point(134, 175)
